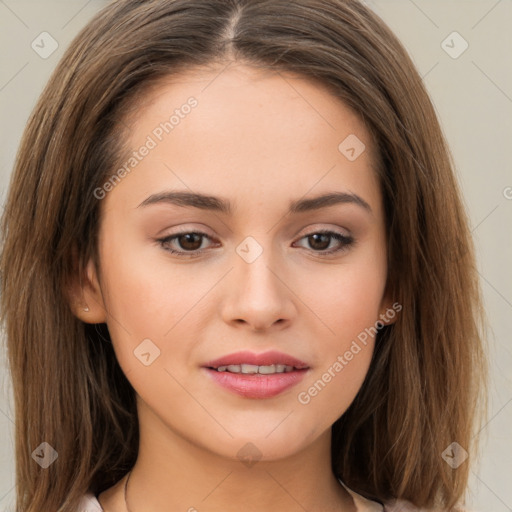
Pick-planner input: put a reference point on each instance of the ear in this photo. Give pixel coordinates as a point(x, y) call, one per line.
point(84, 292)
point(389, 309)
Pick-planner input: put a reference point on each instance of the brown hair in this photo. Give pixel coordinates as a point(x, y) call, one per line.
point(428, 372)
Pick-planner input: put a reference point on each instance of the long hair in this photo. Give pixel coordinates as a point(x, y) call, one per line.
point(427, 379)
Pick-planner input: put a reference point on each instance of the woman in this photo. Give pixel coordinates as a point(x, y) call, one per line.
point(237, 271)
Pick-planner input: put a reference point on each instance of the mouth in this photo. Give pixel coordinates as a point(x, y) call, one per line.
point(251, 369)
point(256, 375)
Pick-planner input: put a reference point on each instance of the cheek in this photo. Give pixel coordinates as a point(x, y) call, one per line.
point(333, 387)
point(150, 311)
point(348, 303)
point(138, 302)
point(144, 294)
point(345, 300)
point(350, 311)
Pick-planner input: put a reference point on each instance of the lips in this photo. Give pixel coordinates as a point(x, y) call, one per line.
point(264, 359)
point(256, 375)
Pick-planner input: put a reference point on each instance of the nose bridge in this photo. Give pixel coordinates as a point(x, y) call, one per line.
point(254, 264)
point(256, 293)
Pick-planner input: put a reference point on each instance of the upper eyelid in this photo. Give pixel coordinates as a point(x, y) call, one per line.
point(309, 230)
point(203, 233)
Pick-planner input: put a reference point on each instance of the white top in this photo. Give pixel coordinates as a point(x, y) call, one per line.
point(89, 503)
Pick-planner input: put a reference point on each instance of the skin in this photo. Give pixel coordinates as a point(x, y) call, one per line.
point(260, 139)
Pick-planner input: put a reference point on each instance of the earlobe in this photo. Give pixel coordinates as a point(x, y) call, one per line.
point(86, 297)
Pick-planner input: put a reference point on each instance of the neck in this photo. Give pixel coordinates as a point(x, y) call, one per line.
point(171, 473)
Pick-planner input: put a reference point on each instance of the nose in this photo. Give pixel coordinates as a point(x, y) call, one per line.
point(257, 294)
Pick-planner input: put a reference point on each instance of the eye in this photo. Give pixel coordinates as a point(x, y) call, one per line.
point(189, 243)
point(319, 241)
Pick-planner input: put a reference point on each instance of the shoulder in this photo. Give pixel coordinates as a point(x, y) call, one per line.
point(89, 503)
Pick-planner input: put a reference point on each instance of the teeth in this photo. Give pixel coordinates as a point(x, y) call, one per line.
point(250, 368)
point(253, 369)
point(267, 369)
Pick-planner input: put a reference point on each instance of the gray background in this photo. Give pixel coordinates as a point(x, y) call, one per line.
point(473, 97)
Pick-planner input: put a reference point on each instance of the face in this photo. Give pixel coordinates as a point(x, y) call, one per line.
point(218, 256)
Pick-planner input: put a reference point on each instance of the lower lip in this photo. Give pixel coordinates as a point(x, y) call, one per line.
point(255, 385)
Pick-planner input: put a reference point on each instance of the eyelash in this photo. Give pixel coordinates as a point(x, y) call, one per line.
point(346, 242)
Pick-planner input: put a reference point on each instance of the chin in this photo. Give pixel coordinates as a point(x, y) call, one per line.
point(257, 444)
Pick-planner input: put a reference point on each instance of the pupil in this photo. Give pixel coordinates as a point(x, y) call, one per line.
point(189, 241)
point(316, 237)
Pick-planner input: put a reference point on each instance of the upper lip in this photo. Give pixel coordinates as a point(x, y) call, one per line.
point(264, 359)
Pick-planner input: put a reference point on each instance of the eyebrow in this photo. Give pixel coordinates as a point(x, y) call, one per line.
point(217, 204)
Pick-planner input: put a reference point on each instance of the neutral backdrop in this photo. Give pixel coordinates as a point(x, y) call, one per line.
point(472, 92)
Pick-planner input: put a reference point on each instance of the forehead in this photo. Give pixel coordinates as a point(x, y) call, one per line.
point(241, 85)
point(250, 129)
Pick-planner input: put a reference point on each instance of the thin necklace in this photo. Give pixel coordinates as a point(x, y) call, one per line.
point(125, 487)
